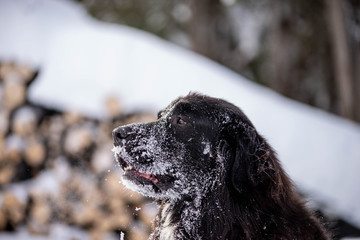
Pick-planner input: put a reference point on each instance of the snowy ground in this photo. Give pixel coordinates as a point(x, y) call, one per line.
point(83, 61)
point(58, 232)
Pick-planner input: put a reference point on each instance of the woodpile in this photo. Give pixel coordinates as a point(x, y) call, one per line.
point(57, 167)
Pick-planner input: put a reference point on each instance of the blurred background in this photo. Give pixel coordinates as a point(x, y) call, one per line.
point(71, 71)
point(305, 50)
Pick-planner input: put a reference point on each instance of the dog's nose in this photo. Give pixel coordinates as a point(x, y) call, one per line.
point(119, 134)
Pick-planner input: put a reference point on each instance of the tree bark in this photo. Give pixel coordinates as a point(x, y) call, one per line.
point(342, 58)
point(211, 34)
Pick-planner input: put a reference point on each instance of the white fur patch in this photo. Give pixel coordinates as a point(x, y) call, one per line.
point(167, 231)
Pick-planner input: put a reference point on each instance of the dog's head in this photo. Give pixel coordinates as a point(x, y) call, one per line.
point(196, 145)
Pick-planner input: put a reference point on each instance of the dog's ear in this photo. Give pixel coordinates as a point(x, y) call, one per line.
point(252, 161)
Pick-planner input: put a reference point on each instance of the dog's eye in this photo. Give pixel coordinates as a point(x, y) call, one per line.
point(178, 121)
point(181, 121)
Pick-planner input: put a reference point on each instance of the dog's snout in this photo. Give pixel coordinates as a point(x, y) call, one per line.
point(120, 133)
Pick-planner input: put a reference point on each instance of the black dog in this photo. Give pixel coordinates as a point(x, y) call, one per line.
point(214, 176)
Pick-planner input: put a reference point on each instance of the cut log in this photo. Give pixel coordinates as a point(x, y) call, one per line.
point(40, 214)
point(3, 220)
point(102, 159)
point(78, 139)
point(13, 149)
point(4, 121)
point(51, 129)
point(35, 152)
point(7, 173)
point(14, 92)
point(5, 69)
point(2, 151)
point(72, 118)
point(13, 208)
point(24, 122)
point(138, 233)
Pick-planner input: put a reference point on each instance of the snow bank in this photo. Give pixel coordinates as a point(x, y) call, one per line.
point(83, 61)
point(57, 232)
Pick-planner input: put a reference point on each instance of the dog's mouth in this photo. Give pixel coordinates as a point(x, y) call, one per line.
point(159, 182)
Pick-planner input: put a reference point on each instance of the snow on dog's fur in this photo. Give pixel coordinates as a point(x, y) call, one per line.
point(213, 175)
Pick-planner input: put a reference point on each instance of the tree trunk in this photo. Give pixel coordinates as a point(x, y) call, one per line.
point(342, 58)
point(211, 34)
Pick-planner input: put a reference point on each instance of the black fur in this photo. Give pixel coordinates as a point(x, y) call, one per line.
point(213, 175)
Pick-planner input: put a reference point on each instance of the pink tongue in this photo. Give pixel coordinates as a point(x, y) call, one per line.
point(148, 176)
